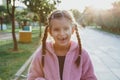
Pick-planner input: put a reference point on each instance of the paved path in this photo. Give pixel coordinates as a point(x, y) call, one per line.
point(6, 36)
point(104, 50)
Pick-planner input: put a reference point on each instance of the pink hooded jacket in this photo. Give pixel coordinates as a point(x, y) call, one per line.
point(51, 66)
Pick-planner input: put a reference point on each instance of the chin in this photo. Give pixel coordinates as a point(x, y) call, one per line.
point(63, 44)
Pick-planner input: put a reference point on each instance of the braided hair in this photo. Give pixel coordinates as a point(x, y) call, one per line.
point(56, 15)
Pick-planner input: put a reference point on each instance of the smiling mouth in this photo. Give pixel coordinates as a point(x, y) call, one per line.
point(63, 39)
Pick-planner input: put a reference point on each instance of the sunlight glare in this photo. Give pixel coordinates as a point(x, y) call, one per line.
point(102, 4)
point(81, 4)
point(1, 2)
point(18, 3)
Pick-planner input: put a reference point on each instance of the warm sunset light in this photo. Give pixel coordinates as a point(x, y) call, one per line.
point(81, 4)
point(1, 2)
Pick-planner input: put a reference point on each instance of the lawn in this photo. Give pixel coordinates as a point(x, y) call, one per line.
point(11, 61)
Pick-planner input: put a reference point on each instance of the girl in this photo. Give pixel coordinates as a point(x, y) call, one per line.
point(62, 59)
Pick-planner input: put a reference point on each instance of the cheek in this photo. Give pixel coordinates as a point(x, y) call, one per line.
point(53, 33)
point(69, 31)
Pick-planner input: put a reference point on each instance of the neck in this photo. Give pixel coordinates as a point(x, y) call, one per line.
point(57, 47)
point(61, 50)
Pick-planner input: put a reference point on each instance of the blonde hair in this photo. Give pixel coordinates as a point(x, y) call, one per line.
point(56, 15)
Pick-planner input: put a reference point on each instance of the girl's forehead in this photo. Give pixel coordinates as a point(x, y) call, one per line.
point(61, 21)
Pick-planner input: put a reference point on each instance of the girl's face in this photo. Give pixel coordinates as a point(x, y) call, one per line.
point(61, 31)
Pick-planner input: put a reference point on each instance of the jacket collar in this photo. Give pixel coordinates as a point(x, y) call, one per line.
point(49, 47)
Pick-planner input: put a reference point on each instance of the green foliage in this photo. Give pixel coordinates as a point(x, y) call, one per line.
point(108, 19)
point(76, 14)
point(35, 18)
point(3, 14)
point(2, 9)
point(88, 16)
point(42, 8)
point(20, 15)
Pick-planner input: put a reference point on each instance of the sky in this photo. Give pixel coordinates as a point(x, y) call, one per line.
point(17, 3)
point(0, 2)
point(81, 4)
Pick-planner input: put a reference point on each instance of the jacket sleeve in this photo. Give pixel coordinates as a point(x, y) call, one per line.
point(35, 71)
point(87, 68)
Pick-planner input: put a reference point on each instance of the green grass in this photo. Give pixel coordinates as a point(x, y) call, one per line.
point(9, 30)
point(11, 61)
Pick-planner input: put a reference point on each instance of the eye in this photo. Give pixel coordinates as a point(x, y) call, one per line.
point(56, 29)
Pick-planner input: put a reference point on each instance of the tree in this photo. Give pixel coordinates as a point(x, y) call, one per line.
point(116, 13)
point(21, 16)
point(2, 11)
point(42, 8)
point(76, 14)
point(81, 19)
point(116, 4)
point(12, 16)
point(89, 15)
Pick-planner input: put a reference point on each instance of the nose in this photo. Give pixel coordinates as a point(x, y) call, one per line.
point(62, 32)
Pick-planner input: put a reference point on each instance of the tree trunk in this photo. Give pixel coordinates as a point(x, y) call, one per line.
point(14, 36)
point(1, 22)
point(12, 15)
point(13, 30)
